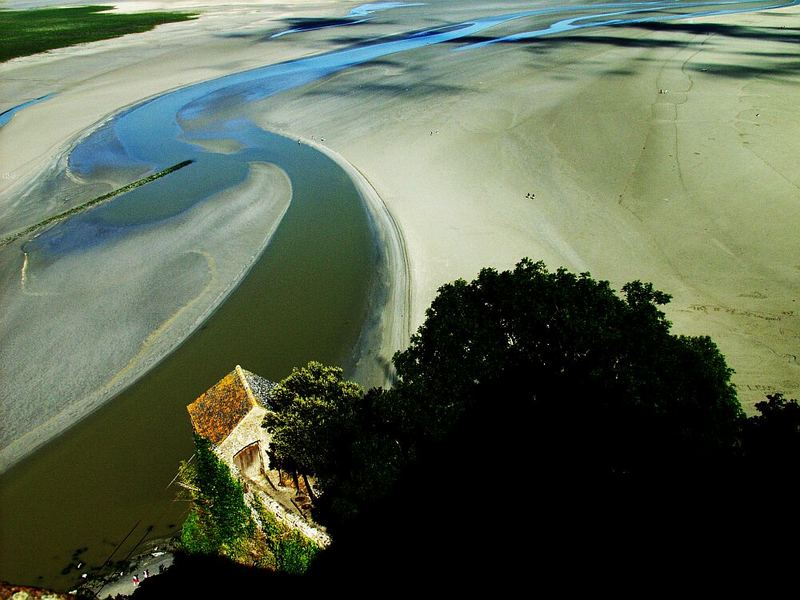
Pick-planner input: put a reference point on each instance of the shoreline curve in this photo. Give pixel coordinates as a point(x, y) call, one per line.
point(261, 175)
point(388, 325)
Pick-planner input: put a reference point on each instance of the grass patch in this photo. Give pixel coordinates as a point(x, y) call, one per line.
point(280, 548)
point(25, 32)
point(221, 520)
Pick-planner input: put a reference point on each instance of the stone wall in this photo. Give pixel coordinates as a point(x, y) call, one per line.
point(248, 430)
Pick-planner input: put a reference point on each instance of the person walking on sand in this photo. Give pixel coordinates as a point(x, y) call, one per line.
point(135, 580)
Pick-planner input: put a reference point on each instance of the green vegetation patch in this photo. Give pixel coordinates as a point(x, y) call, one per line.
point(280, 548)
point(222, 521)
point(219, 519)
point(25, 32)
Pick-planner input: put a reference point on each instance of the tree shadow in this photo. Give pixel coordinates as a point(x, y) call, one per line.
point(764, 63)
point(417, 89)
point(762, 34)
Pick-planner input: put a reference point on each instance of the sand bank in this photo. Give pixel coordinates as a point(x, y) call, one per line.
point(389, 324)
point(129, 301)
point(662, 154)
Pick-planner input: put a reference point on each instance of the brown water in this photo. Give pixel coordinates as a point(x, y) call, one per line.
point(106, 478)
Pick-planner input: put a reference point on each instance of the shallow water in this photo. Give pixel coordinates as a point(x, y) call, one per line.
point(90, 486)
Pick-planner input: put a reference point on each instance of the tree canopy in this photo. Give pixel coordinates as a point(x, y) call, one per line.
point(327, 427)
point(553, 428)
point(313, 412)
point(567, 355)
point(540, 407)
point(534, 364)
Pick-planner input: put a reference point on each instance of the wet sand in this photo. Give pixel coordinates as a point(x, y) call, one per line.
point(656, 153)
point(129, 303)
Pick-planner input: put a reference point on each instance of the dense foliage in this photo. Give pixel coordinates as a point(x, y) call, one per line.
point(326, 427)
point(565, 350)
point(27, 32)
point(594, 383)
point(314, 408)
point(219, 519)
point(221, 522)
point(280, 548)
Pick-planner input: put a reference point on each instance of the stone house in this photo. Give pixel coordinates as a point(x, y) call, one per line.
point(229, 415)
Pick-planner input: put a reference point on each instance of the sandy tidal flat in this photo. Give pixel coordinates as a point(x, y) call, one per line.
point(124, 303)
point(660, 153)
point(655, 153)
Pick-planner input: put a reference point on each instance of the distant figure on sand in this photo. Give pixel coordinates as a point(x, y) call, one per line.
point(135, 580)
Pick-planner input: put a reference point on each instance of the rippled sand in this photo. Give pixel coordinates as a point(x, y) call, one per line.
point(78, 326)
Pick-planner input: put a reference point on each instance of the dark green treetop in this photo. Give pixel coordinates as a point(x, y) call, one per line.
point(566, 354)
point(327, 427)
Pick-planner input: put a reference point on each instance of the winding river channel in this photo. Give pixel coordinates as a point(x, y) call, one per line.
point(261, 252)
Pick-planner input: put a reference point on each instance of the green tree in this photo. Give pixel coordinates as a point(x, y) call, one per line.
point(219, 519)
point(314, 413)
point(327, 427)
point(595, 374)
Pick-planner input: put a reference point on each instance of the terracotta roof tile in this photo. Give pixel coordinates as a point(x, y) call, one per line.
point(217, 412)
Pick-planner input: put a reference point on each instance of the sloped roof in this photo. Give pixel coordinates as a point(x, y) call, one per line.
point(217, 412)
point(261, 388)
